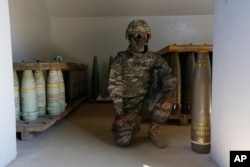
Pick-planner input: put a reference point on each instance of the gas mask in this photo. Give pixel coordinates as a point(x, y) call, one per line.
point(138, 40)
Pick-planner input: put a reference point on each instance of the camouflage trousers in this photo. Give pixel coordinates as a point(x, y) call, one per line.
point(132, 109)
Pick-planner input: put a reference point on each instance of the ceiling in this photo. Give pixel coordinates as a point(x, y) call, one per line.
point(120, 8)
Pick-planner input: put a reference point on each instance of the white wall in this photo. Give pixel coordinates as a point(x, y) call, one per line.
point(78, 39)
point(231, 80)
point(7, 120)
point(30, 30)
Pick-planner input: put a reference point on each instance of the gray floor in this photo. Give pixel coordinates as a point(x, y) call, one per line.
point(83, 139)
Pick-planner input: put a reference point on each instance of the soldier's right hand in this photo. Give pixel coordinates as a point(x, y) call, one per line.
point(120, 120)
point(166, 101)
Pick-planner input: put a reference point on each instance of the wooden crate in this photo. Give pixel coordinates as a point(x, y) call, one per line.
point(178, 119)
point(27, 130)
point(183, 119)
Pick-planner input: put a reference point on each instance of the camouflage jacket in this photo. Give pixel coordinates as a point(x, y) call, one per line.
point(130, 76)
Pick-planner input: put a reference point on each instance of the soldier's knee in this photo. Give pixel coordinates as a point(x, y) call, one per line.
point(161, 115)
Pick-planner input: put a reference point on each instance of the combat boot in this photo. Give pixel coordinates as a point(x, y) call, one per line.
point(154, 135)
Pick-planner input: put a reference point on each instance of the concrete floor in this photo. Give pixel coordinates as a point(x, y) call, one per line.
point(83, 139)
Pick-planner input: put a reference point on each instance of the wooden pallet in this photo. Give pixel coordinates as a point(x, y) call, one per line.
point(27, 130)
point(48, 66)
point(183, 119)
point(186, 48)
point(180, 119)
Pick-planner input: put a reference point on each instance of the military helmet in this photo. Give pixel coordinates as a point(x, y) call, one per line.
point(138, 26)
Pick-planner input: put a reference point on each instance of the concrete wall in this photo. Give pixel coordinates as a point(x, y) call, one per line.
point(8, 150)
point(231, 80)
point(30, 30)
point(25, 35)
point(79, 39)
point(35, 35)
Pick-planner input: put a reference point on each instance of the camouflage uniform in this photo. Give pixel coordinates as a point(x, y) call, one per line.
point(134, 92)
